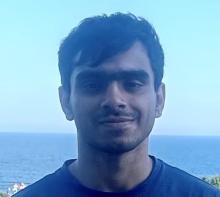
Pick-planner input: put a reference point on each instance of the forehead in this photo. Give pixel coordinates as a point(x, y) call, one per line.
point(134, 59)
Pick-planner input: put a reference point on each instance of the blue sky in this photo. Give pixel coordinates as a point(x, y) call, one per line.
point(31, 32)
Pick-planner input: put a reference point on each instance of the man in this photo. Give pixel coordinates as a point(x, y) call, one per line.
point(111, 72)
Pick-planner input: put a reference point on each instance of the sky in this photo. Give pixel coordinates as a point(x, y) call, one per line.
point(31, 32)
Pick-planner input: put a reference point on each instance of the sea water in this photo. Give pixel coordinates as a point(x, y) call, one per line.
point(27, 157)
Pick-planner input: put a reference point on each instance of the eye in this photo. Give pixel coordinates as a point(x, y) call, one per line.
point(90, 86)
point(133, 85)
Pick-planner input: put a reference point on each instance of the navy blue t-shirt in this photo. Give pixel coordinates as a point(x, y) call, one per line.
point(164, 181)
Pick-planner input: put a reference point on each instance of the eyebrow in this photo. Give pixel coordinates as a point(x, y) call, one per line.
point(118, 75)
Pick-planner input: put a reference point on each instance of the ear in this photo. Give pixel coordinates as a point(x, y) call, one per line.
point(64, 101)
point(160, 96)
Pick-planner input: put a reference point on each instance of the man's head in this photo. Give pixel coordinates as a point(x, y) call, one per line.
point(99, 38)
point(111, 71)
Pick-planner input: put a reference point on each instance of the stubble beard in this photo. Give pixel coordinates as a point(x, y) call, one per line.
point(115, 146)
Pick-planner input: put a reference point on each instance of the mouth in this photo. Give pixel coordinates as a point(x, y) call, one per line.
point(116, 122)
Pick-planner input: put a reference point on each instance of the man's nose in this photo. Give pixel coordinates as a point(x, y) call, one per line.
point(114, 97)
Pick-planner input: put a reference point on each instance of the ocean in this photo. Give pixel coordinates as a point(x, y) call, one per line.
point(27, 157)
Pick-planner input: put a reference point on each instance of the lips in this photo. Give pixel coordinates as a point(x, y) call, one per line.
point(113, 119)
point(116, 123)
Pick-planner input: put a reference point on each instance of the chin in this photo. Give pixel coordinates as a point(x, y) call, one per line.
point(118, 146)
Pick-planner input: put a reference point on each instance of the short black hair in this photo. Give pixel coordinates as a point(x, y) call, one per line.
point(98, 38)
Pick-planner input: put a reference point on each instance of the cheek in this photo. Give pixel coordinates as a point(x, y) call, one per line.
point(144, 102)
point(81, 114)
point(145, 106)
point(83, 107)
point(85, 113)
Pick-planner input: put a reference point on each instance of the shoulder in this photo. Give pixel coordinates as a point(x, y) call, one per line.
point(51, 185)
point(180, 181)
point(38, 188)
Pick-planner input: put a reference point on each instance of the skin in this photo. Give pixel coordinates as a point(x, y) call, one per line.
point(114, 106)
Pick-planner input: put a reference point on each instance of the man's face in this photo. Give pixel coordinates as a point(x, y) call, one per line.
point(114, 104)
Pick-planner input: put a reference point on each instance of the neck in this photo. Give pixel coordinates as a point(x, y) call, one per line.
point(112, 172)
